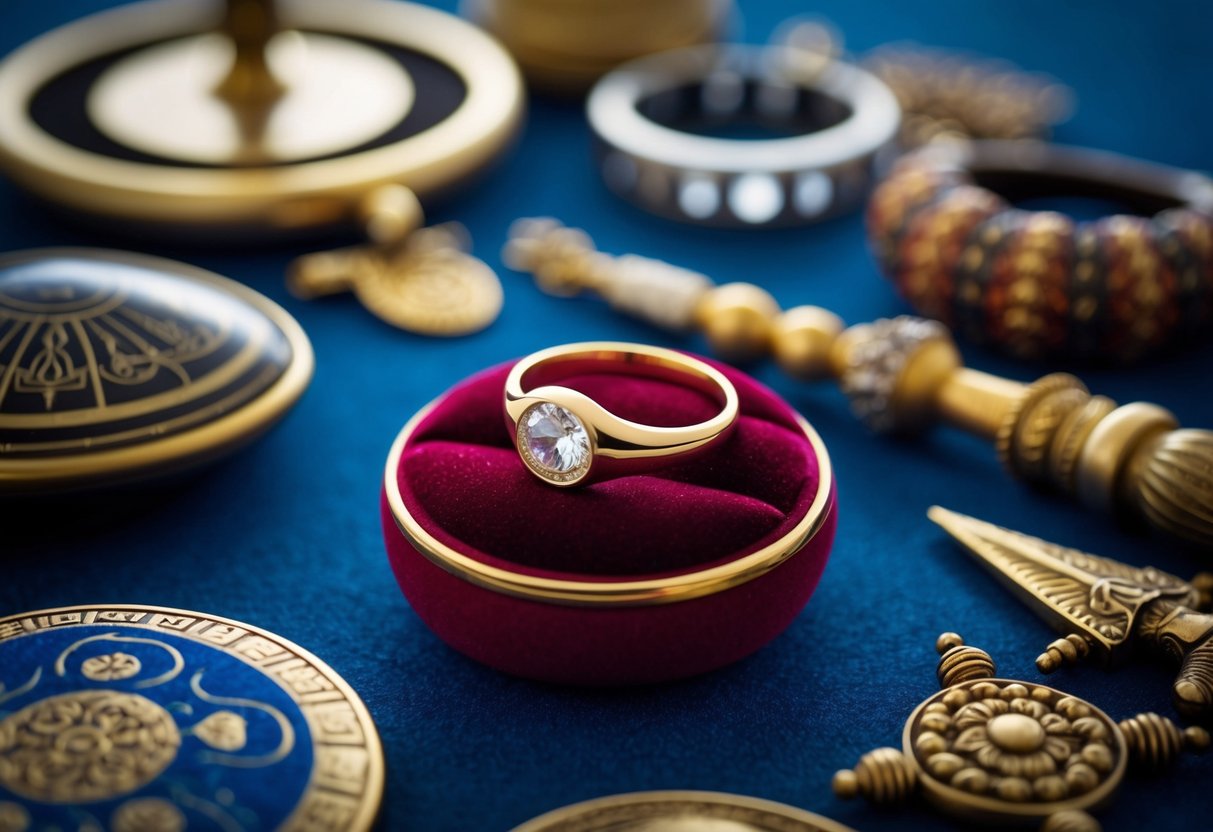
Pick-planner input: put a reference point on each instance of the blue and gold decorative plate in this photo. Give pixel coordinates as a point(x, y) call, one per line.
point(136, 718)
point(118, 366)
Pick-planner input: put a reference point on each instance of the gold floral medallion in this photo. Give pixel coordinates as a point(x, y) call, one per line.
point(85, 746)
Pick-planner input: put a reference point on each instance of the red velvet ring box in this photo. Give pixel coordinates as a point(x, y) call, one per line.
point(633, 580)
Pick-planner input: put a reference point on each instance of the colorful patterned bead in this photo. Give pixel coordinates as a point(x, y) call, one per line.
point(932, 245)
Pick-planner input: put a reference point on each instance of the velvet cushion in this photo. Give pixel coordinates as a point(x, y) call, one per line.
point(461, 479)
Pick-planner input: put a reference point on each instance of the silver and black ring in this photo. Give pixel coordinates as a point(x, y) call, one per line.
point(658, 123)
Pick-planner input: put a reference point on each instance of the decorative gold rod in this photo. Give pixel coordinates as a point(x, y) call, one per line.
point(1100, 605)
point(903, 375)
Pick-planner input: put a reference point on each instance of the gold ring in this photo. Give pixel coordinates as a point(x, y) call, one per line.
point(566, 438)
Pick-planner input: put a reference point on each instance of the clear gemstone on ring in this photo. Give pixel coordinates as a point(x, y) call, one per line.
point(553, 438)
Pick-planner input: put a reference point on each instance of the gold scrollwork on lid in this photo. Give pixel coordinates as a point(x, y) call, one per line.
point(85, 746)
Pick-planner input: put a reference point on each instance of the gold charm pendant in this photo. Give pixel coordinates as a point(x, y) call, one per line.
point(1001, 751)
point(1101, 605)
point(422, 280)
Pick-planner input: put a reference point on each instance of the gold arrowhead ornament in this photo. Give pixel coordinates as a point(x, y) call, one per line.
point(1004, 752)
point(1101, 605)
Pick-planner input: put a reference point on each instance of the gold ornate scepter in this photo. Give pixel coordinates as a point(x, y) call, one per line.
point(904, 374)
point(1101, 606)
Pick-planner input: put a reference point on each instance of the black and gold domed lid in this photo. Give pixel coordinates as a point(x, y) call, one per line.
point(118, 366)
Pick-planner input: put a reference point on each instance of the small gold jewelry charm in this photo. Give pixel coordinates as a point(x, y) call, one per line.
point(1007, 752)
point(422, 280)
point(1101, 605)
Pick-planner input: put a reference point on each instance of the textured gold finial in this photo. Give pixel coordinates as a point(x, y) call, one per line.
point(1174, 489)
point(883, 776)
point(1069, 650)
point(961, 663)
point(1155, 741)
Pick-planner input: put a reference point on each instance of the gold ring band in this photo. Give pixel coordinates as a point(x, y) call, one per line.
point(566, 438)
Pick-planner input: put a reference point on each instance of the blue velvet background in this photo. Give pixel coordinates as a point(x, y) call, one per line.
point(286, 534)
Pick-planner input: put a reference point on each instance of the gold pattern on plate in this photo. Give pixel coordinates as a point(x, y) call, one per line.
point(147, 814)
point(95, 744)
point(85, 746)
point(111, 667)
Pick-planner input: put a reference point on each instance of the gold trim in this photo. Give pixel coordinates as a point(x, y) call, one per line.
point(368, 809)
point(607, 593)
point(184, 449)
point(288, 196)
point(607, 813)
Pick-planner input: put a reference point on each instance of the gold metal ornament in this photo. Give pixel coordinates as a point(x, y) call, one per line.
point(426, 283)
point(905, 374)
point(247, 194)
point(117, 367)
point(215, 710)
point(257, 118)
point(1103, 607)
point(565, 45)
point(1001, 751)
point(680, 811)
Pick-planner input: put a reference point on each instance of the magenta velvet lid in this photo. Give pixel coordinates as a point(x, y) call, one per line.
point(632, 580)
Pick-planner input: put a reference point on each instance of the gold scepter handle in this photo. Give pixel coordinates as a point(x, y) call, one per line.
point(1186, 636)
point(905, 374)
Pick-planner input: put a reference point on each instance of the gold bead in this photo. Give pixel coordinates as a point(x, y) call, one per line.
point(964, 664)
point(845, 784)
point(736, 318)
point(884, 776)
point(947, 641)
point(801, 339)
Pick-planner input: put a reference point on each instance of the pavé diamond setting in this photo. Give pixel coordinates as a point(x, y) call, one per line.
point(554, 443)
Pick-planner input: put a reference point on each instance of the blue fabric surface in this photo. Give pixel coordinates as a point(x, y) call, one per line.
point(286, 534)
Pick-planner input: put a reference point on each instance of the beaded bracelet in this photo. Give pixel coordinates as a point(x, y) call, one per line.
point(1037, 283)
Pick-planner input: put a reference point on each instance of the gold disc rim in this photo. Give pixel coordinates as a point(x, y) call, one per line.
point(291, 196)
point(196, 446)
point(575, 815)
point(368, 809)
point(684, 586)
